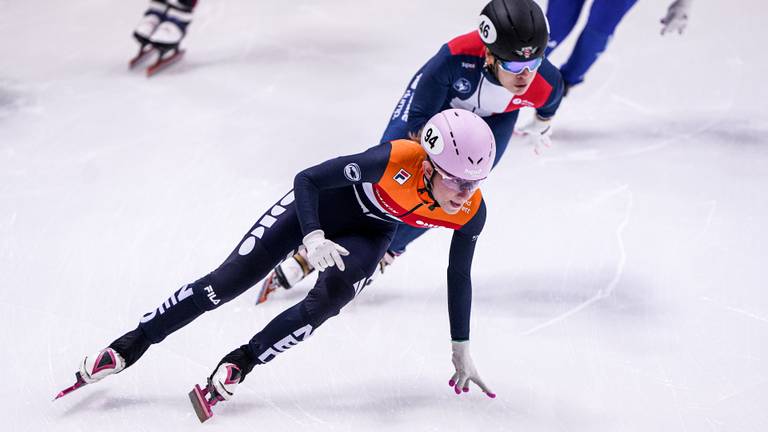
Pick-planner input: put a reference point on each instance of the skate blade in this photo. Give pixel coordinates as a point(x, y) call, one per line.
point(80, 382)
point(266, 289)
point(200, 404)
point(144, 53)
point(163, 63)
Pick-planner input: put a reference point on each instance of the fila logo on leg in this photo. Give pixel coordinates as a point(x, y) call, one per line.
point(211, 295)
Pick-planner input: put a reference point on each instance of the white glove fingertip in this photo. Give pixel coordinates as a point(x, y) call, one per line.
point(338, 261)
point(323, 263)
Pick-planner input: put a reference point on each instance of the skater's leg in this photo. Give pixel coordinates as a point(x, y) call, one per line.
point(604, 16)
point(562, 16)
point(275, 233)
point(332, 291)
point(404, 236)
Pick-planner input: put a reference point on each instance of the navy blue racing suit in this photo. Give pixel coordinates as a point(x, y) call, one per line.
point(357, 203)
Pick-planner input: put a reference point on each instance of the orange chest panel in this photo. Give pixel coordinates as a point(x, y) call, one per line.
point(401, 191)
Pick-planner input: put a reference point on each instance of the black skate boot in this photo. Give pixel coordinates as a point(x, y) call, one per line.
point(222, 383)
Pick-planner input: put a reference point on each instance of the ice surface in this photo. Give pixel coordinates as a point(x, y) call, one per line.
point(618, 286)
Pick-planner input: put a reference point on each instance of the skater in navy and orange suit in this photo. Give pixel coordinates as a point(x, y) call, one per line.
point(344, 212)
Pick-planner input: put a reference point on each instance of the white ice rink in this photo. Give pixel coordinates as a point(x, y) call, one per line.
point(618, 285)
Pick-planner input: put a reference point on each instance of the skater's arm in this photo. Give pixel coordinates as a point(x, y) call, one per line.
point(366, 167)
point(428, 90)
point(502, 125)
point(459, 275)
point(553, 76)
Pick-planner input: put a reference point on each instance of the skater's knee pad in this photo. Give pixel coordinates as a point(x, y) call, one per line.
point(325, 300)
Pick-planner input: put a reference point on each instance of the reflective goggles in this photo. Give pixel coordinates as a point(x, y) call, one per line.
point(517, 67)
point(457, 184)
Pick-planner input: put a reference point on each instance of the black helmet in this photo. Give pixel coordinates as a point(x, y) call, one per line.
point(514, 29)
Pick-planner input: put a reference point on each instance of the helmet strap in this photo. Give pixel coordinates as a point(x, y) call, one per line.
point(428, 189)
point(492, 68)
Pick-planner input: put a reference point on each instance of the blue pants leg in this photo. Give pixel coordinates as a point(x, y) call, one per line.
point(332, 291)
point(562, 16)
point(404, 236)
point(275, 234)
point(604, 16)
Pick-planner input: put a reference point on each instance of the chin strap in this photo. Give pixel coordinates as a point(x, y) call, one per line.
point(490, 70)
point(428, 189)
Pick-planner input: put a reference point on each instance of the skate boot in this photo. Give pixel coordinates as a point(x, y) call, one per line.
point(149, 22)
point(100, 365)
point(94, 368)
point(287, 274)
point(152, 18)
point(161, 30)
point(221, 387)
point(169, 34)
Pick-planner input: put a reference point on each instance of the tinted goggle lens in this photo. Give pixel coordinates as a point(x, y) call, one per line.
point(460, 185)
point(457, 184)
point(517, 67)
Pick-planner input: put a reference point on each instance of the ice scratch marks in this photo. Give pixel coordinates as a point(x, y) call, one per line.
point(750, 387)
point(605, 196)
point(647, 110)
point(608, 289)
point(737, 310)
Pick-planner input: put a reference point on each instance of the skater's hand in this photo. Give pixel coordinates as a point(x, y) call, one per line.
point(539, 132)
point(676, 18)
point(323, 253)
point(465, 370)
